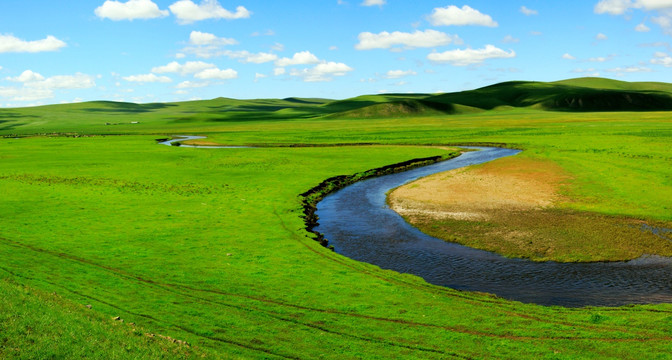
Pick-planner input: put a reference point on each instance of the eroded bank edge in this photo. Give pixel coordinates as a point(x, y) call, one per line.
point(310, 198)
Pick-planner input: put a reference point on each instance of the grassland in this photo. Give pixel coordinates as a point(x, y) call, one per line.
point(209, 247)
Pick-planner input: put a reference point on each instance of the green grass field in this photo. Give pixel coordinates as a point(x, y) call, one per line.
point(208, 245)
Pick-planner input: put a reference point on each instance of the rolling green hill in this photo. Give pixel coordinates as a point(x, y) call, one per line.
point(107, 117)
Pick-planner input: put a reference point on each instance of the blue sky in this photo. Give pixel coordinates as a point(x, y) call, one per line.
point(175, 50)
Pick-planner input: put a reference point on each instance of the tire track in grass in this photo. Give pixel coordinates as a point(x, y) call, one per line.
point(249, 309)
point(149, 317)
point(456, 329)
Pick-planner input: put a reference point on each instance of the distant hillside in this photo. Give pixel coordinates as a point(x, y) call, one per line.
point(586, 94)
point(108, 117)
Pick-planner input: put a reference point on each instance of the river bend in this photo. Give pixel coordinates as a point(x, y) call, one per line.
point(358, 223)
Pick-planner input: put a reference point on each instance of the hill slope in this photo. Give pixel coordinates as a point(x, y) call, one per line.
point(107, 117)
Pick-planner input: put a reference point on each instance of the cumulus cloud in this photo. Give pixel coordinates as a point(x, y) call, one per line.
point(245, 56)
point(642, 28)
point(37, 87)
point(324, 71)
point(452, 15)
point(188, 12)
point(629, 70)
point(618, 7)
point(190, 67)
point(396, 74)
point(587, 72)
point(279, 71)
point(600, 37)
point(201, 38)
point(191, 84)
point(508, 39)
point(528, 12)
point(206, 45)
point(568, 56)
point(661, 58)
point(373, 2)
point(147, 78)
point(300, 58)
point(217, 74)
point(26, 76)
point(466, 57)
point(130, 10)
point(12, 44)
point(417, 39)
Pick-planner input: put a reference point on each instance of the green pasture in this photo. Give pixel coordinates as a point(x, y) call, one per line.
point(207, 246)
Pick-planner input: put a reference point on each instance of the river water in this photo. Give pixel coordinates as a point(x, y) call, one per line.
point(358, 223)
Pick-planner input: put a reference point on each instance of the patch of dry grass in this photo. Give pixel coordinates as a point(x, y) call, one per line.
point(513, 206)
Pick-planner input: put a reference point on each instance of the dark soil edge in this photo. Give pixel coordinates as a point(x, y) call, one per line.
point(310, 198)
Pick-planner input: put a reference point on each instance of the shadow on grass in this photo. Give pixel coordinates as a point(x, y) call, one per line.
point(122, 107)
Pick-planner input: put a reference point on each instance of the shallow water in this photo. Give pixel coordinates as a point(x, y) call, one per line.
point(192, 137)
point(358, 223)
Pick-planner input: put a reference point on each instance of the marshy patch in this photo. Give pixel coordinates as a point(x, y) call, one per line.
point(514, 207)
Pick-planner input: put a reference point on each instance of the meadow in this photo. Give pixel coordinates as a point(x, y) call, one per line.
point(209, 247)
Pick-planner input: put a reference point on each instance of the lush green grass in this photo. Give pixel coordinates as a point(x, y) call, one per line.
point(37, 325)
point(208, 246)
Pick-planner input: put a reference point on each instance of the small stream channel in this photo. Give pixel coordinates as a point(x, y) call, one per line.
point(359, 224)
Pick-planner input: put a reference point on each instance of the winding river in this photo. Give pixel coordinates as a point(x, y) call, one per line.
point(358, 223)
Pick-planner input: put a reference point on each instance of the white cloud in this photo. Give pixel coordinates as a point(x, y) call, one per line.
point(37, 87)
point(417, 39)
point(245, 56)
point(601, 58)
point(188, 12)
point(190, 67)
point(528, 12)
point(587, 72)
point(147, 78)
point(664, 21)
point(619, 7)
point(373, 2)
point(629, 69)
point(27, 76)
point(508, 39)
point(470, 56)
point(77, 81)
point(191, 84)
point(601, 36)
point(396, 74)
point(324, 71)
point(661, 58)
point(613, 7)
point(259, 58)
point(452, 15)
point(642, 28)
point(300, 58)
point(130, 10)
point(568, 56)
point(11, 44)
point(210, 74)
point(279, 71)
point(201, 38)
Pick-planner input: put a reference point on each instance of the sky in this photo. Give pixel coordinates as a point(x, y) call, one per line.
point(177, 50)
